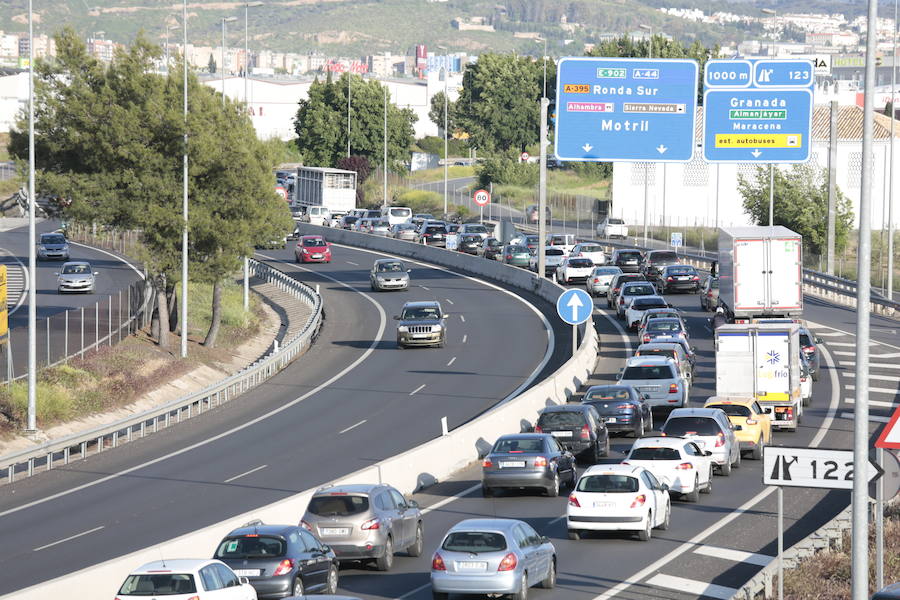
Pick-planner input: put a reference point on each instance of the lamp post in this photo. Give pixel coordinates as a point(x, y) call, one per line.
point(247, 7)
point(349, 78)
point(544, 59)
point(31, 426)
point(769, 11)
point(169, 28)
point(890, 245)
point(224, 20)
point(184, 200)
point(446, 75)
point(647, 164)
point(384, 201)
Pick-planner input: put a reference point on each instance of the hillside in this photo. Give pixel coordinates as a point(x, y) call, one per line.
point(359, 27)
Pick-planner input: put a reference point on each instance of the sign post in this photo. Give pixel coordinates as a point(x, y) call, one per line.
point(574, 307)
point(676, 240)
point(4, 309)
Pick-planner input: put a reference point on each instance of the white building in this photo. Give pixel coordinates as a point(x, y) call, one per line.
point(699, 193)
point(13, 98)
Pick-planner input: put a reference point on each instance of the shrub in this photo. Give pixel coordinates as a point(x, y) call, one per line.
point(421, 201)
point(506, 171)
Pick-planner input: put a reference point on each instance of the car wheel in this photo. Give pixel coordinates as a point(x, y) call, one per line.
point(645, 534)
point(297, 587)
point(574, 534)
point(708, 488)
point(385, 562)
point(552, 490)
point(522, 594)
point(416, 548)
point(694, 495)
point(639, 430)
point(372, 286)
point(737, 461)
point(573, 479)
point(331, 585)
point(725, 470)
point(401, 345)
point(597, 456)
point(486, 492)
point(439, 595)
point(550, 581)
point(665, 524)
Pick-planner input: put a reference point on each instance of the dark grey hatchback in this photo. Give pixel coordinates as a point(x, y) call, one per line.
point(280, 560)
point(578, 428)
point(621, 407)
point(527, 460)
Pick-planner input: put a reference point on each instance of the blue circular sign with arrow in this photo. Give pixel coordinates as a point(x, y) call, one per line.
point(574, 306)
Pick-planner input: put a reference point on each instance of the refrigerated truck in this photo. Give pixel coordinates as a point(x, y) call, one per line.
point(762, 361)
point(760, 273)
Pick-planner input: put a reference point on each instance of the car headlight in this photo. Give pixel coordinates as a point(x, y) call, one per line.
point(437, 327)
point(402, 329)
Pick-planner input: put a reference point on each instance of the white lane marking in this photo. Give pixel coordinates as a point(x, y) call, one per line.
point(735, 555)
point(425, 288)
point(259, 468)
point(452, 360)
point(418, 389)
point(872, 403)
point(842, 344)
point(556, 520)
point(875, 418)
point(465, 337)
point(879, 390)
point(692, 586)
point(348, 369)
point(354, 426)
point(462, 318)
point(845, 353)
point(847, 333)
point(829, 334)
point(447, 501)
point(736, 513)
point(424, 586)
point(449, 301)
point(71, 537)
point(23, 293)
point(873, 376)
point(852, 363)
point(350, 262)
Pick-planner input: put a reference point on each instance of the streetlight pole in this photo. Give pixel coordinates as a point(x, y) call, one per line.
point(224, 20)
point(32, 258)
point(168, 28)
point(385, 198)
point(769, 11)
point(247, 7)
point(446, 73)
point(890, 261)
point(544, 60)
point(184, 200)
point(646, 163)
point(349, 78)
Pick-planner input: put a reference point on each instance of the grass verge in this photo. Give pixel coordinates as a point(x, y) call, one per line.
point(453, 172)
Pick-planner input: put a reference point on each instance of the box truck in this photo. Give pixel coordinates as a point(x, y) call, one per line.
point(320, 194)
point(760, 273)
point(762, 361)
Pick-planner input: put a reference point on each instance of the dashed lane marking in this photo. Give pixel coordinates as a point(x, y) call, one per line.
point(692, 586)
point(244, 474)
point(418, 389)
point(874, 418)
point(850, 386)
point(872, 403)
point(873, 376)
point(735, 555)
point(354, 426)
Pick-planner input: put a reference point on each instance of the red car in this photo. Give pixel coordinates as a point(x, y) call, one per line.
point(312, 248)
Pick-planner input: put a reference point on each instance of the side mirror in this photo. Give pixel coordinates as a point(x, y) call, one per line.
point(244, 580)
point(396, 317)
point(545, 539)
point(412, 503)
point(96, 272)
point(409, 270)
point(707, 453)
point(664, 487)
point(738, 427)
point(444, 317)
point(56, 273)
point(817, 340)
point(768, 410)
point(325, 548)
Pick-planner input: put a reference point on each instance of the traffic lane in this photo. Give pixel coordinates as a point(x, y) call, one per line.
point(310, 431)
point(882, 329)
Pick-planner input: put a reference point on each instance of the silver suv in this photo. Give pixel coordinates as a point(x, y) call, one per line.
point(365, 522)
point(421, 324)
point(657, 379)
point(710, 429)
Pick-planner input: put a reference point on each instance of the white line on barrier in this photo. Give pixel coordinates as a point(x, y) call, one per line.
point(449, 301)
point(354, 426)
point(418, 389)
point(259, 468)
point(465, 337)
point(425, 288)
point(462, 318)
point(71, 537)
point(452, 360)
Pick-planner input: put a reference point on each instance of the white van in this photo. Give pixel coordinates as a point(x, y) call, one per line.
point(318, 215)
point(396, 214)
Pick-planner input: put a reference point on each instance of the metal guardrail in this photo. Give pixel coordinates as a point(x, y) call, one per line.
point(45, 456)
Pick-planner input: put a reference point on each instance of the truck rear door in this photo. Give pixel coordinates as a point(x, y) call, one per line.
point(786, 288)
point(773, 362)
point(734, 351)
point(751, 280)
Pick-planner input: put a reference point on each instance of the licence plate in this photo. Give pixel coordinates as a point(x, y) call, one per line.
point(419, 336)
point(649, 388)
point(471, 565)
point(685, 278)
point(512, 463)
point(335, 531)
point(567, 434)
point(317, 256)
point(247, 572)
point(610, 419)
point(603, 504)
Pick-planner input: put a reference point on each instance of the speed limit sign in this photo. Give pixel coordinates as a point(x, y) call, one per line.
point(482, 197)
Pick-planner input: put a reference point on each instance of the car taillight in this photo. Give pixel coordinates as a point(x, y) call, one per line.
point(809, 349)
point(686, 466)
point(751, 421)
point(673, 388)
point(538, 429)
point(596, 280)
point(709, 294)
point(371, 524)
point(306, 526)
point(284, 567)
point(487, 464)
point(508, 563)
point(720, 440)
point(622, 300)
point(670, 279)
point(803, 379)
point(540, 461)
point(585, 432)
point(437, 563)
point(789, 413)
point(695, 278)
point(646, 338)
point(625, 407)
point(508, 256)
point(573, 501)
point(639, 501)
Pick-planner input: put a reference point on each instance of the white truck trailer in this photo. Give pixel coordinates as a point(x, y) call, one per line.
point(760, 273)
point(762, 361)
point(333, 189)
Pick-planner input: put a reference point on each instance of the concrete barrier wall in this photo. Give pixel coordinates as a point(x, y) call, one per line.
point(410, 471)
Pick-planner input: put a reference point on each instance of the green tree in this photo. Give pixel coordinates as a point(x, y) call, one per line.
point(211, 64)
point(436, 113)
point(801, 204)
point(321, 124)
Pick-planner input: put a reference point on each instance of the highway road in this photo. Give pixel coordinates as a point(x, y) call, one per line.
point(115, 274)
point(352, 400)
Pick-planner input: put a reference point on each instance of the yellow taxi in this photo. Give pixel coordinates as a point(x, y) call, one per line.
point(753, 427)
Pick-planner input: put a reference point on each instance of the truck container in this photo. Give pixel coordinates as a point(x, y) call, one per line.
point(762, 361)
point(760, 272)
point(333, 189)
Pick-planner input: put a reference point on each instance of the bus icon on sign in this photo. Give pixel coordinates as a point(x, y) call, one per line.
point(793, 140)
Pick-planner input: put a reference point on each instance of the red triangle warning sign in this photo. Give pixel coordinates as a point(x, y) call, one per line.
point(890, 435)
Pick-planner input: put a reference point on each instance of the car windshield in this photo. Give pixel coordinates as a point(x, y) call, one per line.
point(558, 241)
point(608, 484)
point(158, 584)
point(609, 393)
point(313, 242)
point(416, 313)
point(648, 372)
point(251, 546)
point(638, 290)
point(517, 250)
point(350, 220)
point(338, 505)
point(616, 222)
point(404, 226)
point(666, 257)
point(560, 420)
point(452, 228)
point(654, 454)
point(645, 303)
point(667, 325)
point(656, 352)
point(471, 239)
point(581, 263)
point(54, 238)
point(474, 542)
point(381, 224)
point(436, 229)
point(391, 267)
point(476, 229)
point(691, 426)
point(606, 270)
point(732, 410)
point(805, 341)
point(400, 212)
point(591, 249)
point(681, 271)
point(553, 252)
point(494, 242)
point(530, 445)
point(661, 314)
point(76, 269)
point(531, 239)
point(629, 255)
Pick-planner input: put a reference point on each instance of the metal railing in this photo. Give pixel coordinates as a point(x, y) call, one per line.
point(45, 456)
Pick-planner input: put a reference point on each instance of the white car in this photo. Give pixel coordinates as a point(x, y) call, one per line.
point(598, 283)
point(676, 461)
point(635, 310)
point(475, 228)
point(591, 251)
point(572, 269)
point(612, 228)
point(186, 579)
point(659, 313)
point(618, 498)
point(566, 241)
point(553, 257)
